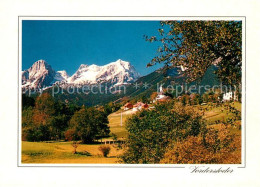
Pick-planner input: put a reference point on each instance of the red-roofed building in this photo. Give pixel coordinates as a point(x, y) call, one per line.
point(139, 106)
point(145, 106)
point(128, 106)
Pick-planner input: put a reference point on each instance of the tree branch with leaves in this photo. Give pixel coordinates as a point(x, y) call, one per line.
point(197, 45)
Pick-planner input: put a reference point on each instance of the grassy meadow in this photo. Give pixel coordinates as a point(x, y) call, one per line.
point(115, 123)
point(62, 152)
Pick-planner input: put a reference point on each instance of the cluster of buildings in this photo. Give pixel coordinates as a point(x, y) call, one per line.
point(161, 97)
point(136, 107)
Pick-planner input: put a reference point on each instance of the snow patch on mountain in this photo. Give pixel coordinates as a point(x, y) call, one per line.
point(61, 76)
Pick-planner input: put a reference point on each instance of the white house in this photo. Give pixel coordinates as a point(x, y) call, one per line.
point(228, 96)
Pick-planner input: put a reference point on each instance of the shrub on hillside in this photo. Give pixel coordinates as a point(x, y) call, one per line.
point(105, 149)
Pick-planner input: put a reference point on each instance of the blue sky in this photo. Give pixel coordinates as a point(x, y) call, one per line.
point(67, 44)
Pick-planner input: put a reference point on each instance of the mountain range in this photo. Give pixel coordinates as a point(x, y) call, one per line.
point(41, 75)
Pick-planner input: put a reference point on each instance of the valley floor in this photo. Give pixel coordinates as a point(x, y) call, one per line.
point(62, 152)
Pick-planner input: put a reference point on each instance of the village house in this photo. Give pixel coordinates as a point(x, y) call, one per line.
point(139, 106)
point(128, 106)
point(229, 96)
point(164, 99)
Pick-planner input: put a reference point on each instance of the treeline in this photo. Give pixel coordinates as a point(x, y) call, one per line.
point(44, 119)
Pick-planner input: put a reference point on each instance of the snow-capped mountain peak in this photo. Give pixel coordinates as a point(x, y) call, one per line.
point(124, 64)
point(38, 68)
point(118, 72)
point(41, 75)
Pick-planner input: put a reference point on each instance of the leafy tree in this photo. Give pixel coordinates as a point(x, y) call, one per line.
point(153, 96)
point(45, 103)
point(151, 131)
point(144, 98)
point(27, 101)
point(47, 120)
point(71, 109)
point(88, 123)
point(70, 135)
point(196, 99)
point(27, 121)
point(197, 45)
point(27, 115)
point(185, 99)
point(200, 99)
point(37, 121)
point(110, 108)
point(205, 97)
point(37, 133)
point(58, 124)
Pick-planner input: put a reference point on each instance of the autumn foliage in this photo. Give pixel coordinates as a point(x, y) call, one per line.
point(176, 134)
point(214, 146)
point(197, 45)
point(152, 131)
point(50, 119)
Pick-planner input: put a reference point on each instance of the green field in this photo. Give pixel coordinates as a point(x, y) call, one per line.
point(115, 124)
point(61, 152)
point(214, 114)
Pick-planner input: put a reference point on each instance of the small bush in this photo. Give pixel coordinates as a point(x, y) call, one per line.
point(105, 149)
